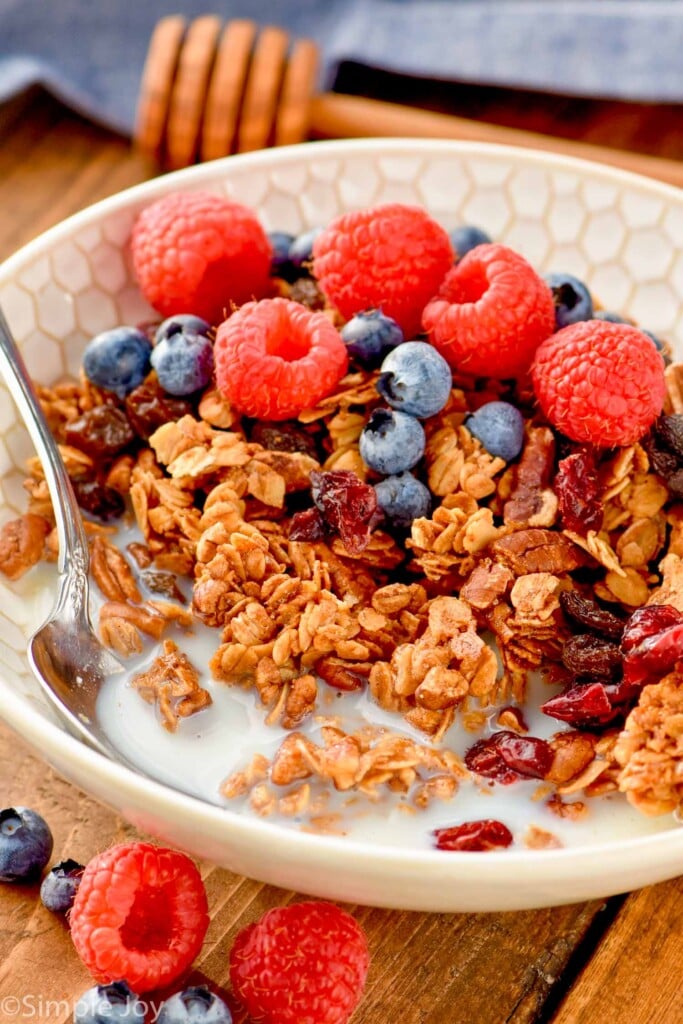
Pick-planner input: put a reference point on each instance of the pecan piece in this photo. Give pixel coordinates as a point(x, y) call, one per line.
point(111, 572)
point(538, 550)
point(21, 544)
point(531, 499)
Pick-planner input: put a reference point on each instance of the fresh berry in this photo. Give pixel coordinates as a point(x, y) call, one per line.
point(140, 914)
point(274, 358)
point(369, 335)
point(392, 256)
point(573, 301)
point(491, 313)
point(301, 250)
point(415, 379)
point(117, 360)
point(109, 1004)
point(347, 506)
point(183, 362)
point(280, 243)
point(58, 888)
point(609, 317)
point(403, 498)
point(599, 382)
point(25, 844)
point(194, 1006)
point(466, 237)
point(181, 322)
point(391, 442)
point(301, 964)
point(500, 428)
point(200, 251)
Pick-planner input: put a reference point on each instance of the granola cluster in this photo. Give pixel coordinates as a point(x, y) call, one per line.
point(410, 618)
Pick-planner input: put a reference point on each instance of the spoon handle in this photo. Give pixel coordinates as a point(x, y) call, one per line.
point(73, 545)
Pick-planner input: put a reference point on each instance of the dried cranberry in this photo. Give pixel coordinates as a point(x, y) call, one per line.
point(505, 756)
point(348, 506)
point(578, 492)
point(581, 705)
point(655, 656)
point(589, 655)
point(284, 437)
point(101, 432)
point(585, 612)
point(148, 407)
point(98, 500)
point(474, 836)
point(646, 622)
point(308, 525)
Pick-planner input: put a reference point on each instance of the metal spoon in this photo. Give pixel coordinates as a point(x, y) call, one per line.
point(65, 655)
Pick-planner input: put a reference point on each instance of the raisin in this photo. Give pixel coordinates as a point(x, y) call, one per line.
point(101, 432)
point(98, 500)
point(347, 505)
point(306, 291)
point(582, 706)
point(474, 836)
point(588, 655)
point(675, 485)
point(308, 525)
point(669, 431)
point(585, 612)
point(164, 583)
point(148, 407)
point(505, 756)
point(284, 437)
point(646, 622)
point(662, 461)
point(578, 492)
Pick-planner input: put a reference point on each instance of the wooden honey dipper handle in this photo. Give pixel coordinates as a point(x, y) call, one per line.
point(210, 89)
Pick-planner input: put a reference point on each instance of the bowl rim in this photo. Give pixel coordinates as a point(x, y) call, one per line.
point(46, 737)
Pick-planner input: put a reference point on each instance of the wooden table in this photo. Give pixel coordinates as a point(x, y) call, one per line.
point(616, 961)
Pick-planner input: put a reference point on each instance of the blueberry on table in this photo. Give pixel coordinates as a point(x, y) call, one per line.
point(573, 301)
point(391, 442)
point(500, 428)
point(466, 237)
point(403, 498)
point(60, 884)
point(117, 360)
point(183, 362)
point(415, 379)
point(25, 844)
point(115, 1003)
point(181, 322)
point(369, 335)
point(194, 1006)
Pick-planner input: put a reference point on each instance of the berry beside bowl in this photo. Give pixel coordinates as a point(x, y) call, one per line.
point(571, 222)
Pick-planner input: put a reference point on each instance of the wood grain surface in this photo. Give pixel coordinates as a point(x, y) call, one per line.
point(612, 962)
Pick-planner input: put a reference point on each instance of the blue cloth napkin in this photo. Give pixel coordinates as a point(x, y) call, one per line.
point(90, 53)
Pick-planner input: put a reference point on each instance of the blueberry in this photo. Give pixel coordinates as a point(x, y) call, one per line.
point(403, 498)
point(467, 237)
point(183, 362)
point(572, 299)
point(369, 335)
point(415, 379)
point(118, 360)
point(115, 1003)
point(194, 1006)
point(25, 844)
point(611, 318)
point(280, 263)
point(181, 322)
point(658, 344)
point(60, 885)
point(500, 428)
point(391, 441)
point(301, 250)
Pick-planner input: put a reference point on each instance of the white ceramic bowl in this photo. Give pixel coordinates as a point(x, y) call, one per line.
point(621, 233)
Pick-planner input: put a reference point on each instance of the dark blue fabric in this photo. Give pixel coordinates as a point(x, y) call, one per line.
point(91, 52)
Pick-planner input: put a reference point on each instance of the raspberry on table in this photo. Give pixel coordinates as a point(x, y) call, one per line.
point(275, 358)
point(491, 313)
point(306, 962)
point(599, 382)
point(392, 256)
point(202, 252)
point(140, 915)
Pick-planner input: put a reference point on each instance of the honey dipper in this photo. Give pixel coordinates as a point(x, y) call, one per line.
point(209, 89)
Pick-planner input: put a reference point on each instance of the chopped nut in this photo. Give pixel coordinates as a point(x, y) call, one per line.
point(172, 683)
point(21, 544)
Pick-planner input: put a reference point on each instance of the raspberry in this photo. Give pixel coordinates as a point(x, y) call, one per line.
point(491, 313)
point(301, 964)
point(599, 382)
point(274, 358)
point(196, 252)
point(140, 915)
point(392, 257)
